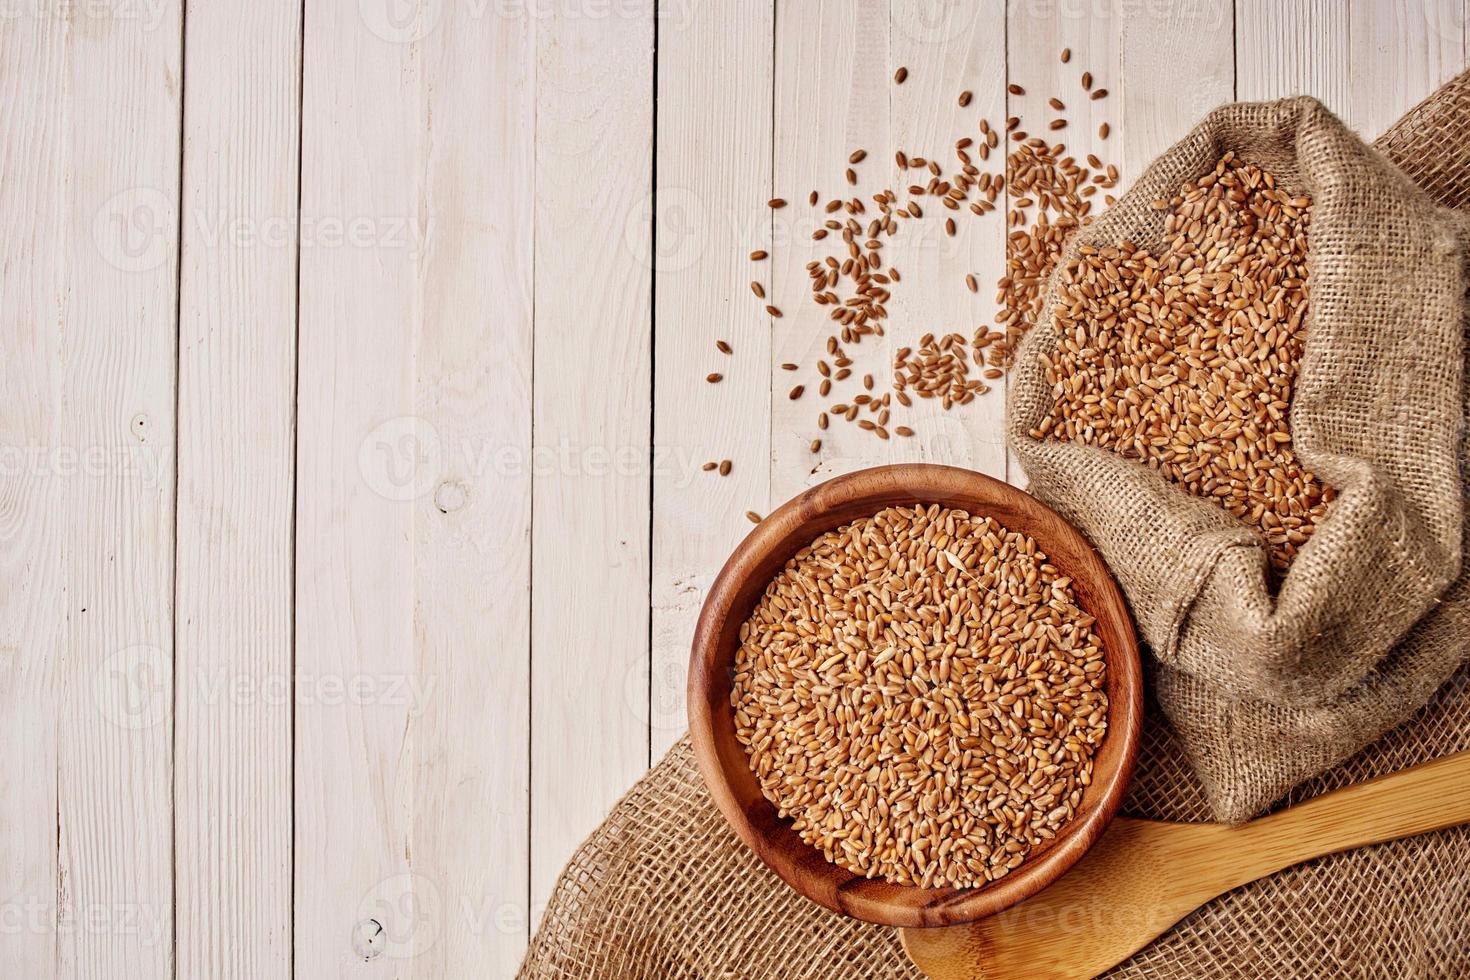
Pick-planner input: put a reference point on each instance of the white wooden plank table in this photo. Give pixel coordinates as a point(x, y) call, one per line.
point(232, 829)
point(89, 200)
point(353, 412)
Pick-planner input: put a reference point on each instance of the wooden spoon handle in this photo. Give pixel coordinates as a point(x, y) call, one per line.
point(1427, 797)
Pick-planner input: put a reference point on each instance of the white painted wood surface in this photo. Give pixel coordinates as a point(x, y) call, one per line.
point(343, 701)
point(366, 464)
point(237, 456)
point(948, 49)
point(700, 238)
point(1160, 94)
point(89, 196)
point(832, 80)
point(592, 411)
point(470, 708)
point(414, 504)
point(1400, 50)
point(1367, 60)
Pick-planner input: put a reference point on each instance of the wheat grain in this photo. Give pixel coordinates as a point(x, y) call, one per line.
point(1186, 360)
point(920, 693)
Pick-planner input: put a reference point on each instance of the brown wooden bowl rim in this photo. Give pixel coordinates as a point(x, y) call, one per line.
point(799, 864)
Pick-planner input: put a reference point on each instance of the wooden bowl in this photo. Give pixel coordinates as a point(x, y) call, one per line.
point(726, 768)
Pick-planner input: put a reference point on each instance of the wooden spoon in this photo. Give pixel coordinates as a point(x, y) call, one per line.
point(1145, 875)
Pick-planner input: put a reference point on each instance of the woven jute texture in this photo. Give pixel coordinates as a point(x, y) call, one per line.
point(1267, 688)
point(665, 891)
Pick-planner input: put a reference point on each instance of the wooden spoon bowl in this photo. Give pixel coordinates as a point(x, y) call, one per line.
point(723, 761)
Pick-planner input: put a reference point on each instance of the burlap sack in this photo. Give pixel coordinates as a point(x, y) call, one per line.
point(1267, 688)
point(665, 890)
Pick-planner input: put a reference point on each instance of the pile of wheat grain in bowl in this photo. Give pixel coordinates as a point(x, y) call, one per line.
point(920, 692)
point(1186, 359)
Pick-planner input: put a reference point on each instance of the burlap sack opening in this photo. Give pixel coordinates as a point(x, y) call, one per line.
point(665, 891)
point(1376, 415)
point(1267, 689)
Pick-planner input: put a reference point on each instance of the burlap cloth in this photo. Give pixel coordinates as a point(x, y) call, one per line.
point(1266, 688)
point(664, 890)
